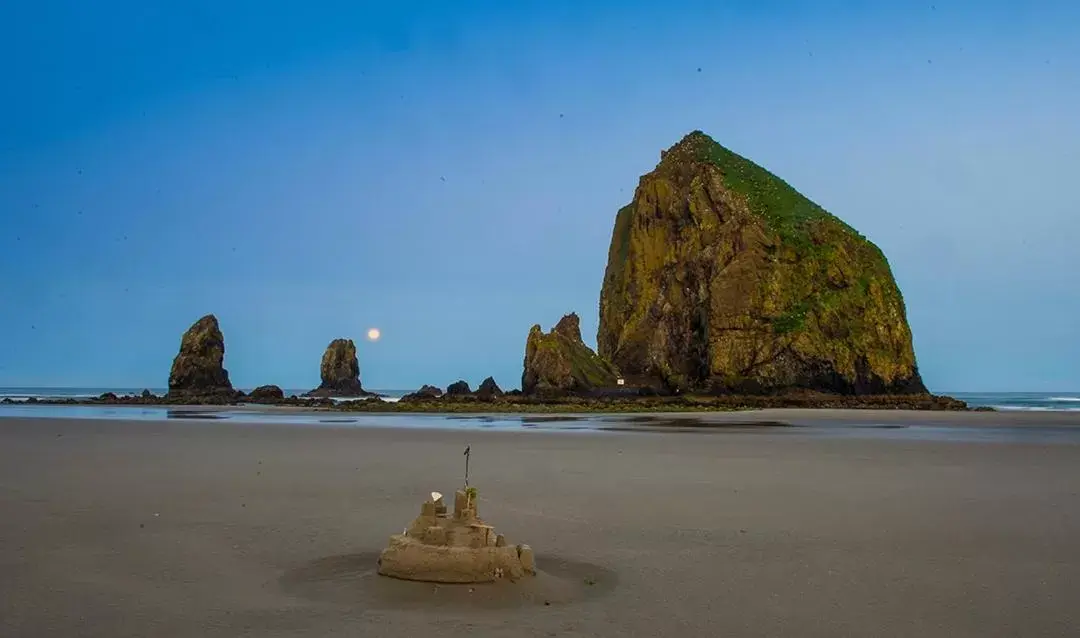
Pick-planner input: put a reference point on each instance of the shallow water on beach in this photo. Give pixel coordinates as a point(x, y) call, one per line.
point(752, 423)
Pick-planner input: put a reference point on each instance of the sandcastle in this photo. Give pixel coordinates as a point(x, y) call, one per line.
point(461, 548)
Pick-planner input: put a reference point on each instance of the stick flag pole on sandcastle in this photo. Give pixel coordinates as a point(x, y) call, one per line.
point(468, 449)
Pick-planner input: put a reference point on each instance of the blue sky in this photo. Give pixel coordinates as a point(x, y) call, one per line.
point(449, 172)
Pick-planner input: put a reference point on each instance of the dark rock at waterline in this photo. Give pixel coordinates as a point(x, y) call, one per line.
point(425, 393)
point(266, 394)
point(458, 388)
point(488, 390)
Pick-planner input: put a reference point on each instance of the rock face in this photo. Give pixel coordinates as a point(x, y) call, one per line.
point(440, 548)
point(340, 372)
point(425, 393)
point(560, 363)
point(198, 369)
point(488, 390)
point(266, 394)
point(458, 388)
point(721, 277)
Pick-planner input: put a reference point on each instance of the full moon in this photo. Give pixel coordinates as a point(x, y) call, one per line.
point(373, 334)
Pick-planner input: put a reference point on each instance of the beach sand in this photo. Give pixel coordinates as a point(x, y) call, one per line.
point(203, 528)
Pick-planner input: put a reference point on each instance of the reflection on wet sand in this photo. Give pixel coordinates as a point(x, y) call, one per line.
point(895, 425)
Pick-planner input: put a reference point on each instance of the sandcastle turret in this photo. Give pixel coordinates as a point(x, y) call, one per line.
point(458, 548)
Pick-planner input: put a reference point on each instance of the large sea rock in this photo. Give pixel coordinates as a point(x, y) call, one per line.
point(340, 372)
point(722, 277)
point(198, 371)
point(559, 362)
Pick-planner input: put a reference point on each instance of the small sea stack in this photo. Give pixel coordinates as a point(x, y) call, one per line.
point(340, 372)
point(198, 370)
point(559, 363)
point(454, 548)
point(489, 390)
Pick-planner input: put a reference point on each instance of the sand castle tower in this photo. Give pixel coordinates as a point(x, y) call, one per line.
point(458, 548)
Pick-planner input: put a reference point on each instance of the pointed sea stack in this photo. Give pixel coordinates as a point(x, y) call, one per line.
point(340, 372)
point(560, 363)
point(488, 390)
point(198, 370)
point(721, 277)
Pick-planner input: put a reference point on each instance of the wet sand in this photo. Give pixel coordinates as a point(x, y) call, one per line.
point(218, 528)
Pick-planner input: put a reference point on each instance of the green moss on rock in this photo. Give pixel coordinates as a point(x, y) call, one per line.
point(722, 277)
point(559, 362)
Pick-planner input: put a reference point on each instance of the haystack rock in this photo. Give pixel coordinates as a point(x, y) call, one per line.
point(198, 369)
point(340, 372)
point(459, 548)
point(560, 363)
point(722, 277)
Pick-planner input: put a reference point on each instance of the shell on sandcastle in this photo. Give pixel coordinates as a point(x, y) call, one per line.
point(459, 548)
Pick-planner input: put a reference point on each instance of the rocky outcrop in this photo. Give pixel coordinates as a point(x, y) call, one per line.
point(425, 393)
point(198, 369)
point(458, 389)
point(488, 390)
point(721, 277)
point(266, 394)
point(340, 372)
point(560, 363)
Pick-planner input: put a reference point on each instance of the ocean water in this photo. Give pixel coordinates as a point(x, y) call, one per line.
point(1022, 401)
